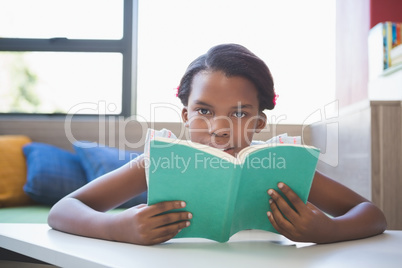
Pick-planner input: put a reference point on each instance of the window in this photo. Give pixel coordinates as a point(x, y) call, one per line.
point(66, 55)
point(295, 38)
point(60, 56)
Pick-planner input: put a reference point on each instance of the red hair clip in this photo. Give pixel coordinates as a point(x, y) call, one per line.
point(275, 98)
point(177, 91)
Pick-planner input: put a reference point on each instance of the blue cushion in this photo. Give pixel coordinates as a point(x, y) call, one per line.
point(100, 159)
point(52, 172)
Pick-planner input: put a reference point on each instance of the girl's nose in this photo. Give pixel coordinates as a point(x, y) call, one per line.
point(220, 126)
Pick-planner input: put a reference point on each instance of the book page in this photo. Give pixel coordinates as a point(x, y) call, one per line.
point(202, 147)
point(279, 140)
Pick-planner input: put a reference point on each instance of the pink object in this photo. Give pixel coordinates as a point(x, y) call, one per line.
point(177, 91)
point(275, 98)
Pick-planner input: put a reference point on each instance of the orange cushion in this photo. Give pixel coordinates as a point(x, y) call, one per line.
point(13, 171)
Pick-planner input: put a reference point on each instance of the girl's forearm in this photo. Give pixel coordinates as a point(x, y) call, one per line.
point(72, 216)
point(354, 224)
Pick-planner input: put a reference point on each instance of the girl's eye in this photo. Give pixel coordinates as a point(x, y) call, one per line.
point(239, 114)
point(203, 111)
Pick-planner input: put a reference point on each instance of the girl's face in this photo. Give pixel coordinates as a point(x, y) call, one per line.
point(223, 112)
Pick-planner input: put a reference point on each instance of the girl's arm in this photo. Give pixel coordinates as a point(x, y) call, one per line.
point(352, 216)
point(82, 212)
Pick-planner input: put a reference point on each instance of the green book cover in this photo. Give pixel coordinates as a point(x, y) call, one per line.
point(226, 194)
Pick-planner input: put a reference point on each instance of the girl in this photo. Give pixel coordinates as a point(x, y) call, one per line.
point(224, 93)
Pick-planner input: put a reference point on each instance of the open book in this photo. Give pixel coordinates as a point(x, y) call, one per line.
point(226, 194)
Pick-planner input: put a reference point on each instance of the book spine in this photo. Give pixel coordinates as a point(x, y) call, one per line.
point(387, 37)
point(394, 36)
point(384, 46)
point(400, 33)
point(396, 51)
point(376, 51)
point(383, 39)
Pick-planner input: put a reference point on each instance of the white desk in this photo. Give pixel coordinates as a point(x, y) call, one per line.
point(245, 249)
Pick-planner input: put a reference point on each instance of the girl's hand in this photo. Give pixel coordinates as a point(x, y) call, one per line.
point(145, 225)
point(305, 223)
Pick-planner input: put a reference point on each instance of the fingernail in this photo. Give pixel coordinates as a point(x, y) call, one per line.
point(187, 223)
point(270, 201)
point(190, 215)
point(280, 185)
point(270, 192)
point(183, 204)
point(269, 214)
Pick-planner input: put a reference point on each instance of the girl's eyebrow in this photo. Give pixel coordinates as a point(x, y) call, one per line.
point(244, 106)
point(202, 103)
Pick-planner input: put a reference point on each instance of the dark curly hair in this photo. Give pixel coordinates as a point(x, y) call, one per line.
point(233, 60)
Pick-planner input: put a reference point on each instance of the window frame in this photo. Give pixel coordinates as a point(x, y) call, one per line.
point(127, 46)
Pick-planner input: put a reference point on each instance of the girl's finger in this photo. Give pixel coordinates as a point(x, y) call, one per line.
point(163, 238)
point(170, 219)
point(281, 224)
point(283, 207)
point(162, 207)
point(167, 232)
point(297, 203)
